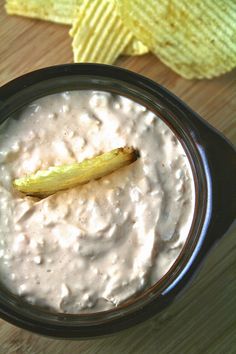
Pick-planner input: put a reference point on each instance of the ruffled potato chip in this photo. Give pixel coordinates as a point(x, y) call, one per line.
point(54, 179)
point(60, 11)
point(196, 38)
point(99, 35)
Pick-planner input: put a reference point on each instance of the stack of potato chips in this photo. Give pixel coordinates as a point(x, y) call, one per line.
point(196, 38)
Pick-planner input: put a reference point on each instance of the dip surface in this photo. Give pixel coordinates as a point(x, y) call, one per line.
point(92, 247)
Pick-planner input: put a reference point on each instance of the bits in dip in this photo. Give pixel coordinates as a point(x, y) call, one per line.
point(91, 247)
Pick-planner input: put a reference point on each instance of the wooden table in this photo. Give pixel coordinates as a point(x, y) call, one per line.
point(203, 320)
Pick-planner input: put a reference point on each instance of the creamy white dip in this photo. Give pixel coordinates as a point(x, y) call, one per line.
point(91, 247)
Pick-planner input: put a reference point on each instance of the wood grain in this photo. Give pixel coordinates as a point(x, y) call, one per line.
point(203, 320)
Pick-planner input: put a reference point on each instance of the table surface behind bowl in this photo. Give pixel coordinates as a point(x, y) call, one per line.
point(204, 319)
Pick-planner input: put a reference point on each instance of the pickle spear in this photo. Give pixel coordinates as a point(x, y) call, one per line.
point(54, 179)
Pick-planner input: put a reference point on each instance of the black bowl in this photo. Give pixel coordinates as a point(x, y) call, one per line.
point(213, 163)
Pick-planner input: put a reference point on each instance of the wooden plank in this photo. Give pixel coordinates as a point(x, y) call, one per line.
point(203, 320)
